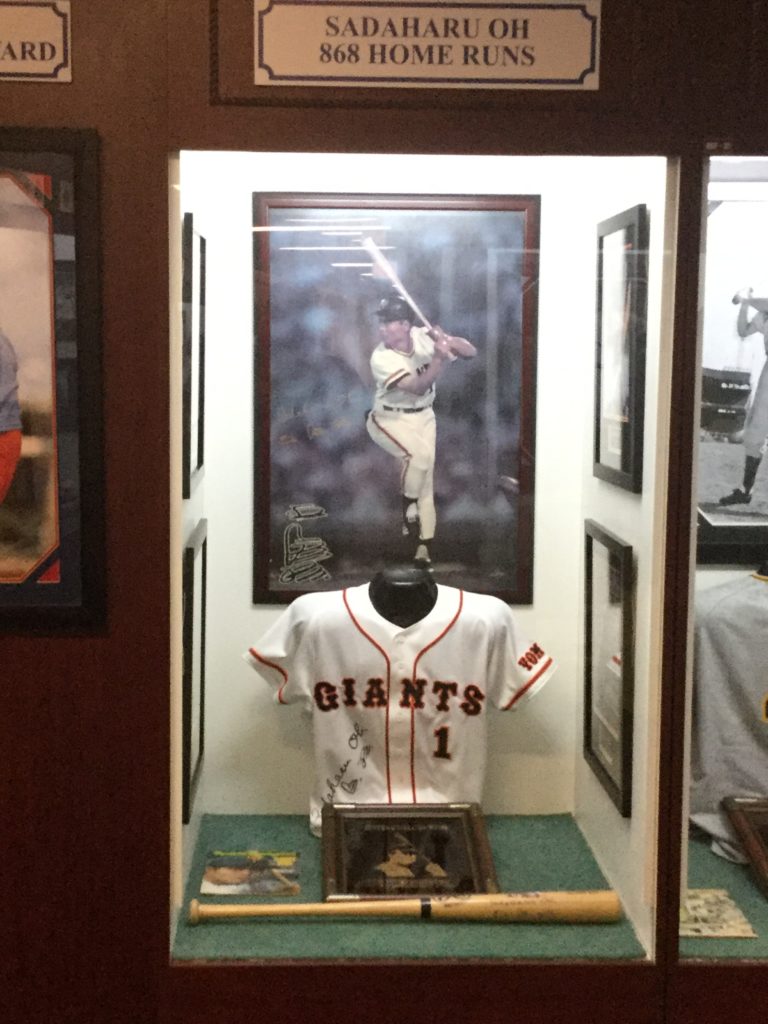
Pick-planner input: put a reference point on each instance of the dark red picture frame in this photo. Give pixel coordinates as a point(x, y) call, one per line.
point(326, 499)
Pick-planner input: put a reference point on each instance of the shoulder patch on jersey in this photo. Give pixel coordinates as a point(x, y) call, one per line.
point(531, 658)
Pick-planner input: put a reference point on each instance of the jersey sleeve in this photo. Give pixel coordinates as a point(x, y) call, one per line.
point(283, 655)
point(518, 668)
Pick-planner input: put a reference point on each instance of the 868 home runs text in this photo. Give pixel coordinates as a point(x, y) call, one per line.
point(428, 54)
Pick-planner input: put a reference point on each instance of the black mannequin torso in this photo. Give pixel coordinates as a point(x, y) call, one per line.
point(403, 596)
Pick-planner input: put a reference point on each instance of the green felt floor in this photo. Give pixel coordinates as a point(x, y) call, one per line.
point(530, 853)
point(708, 871)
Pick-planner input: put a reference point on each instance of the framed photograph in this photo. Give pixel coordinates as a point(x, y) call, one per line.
point(194, 586)
point(732, 482)
point(609, 662)
point(193, 353)
point(622, 298)
point(392, 850)
point(52, 573)
point(749, 817)
point(352, 471)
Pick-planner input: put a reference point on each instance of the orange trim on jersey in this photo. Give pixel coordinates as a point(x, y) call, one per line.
point(415, 666)
point(529, 684)
point(270, 664)
point(393, 378)
point(381, 650)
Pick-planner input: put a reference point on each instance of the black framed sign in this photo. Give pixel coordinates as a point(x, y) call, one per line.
point(193, 353)
point(390, 850)
point(622, 290)
point(609, 662)
point(194, 592)
point(52, 572)
point(328, 495)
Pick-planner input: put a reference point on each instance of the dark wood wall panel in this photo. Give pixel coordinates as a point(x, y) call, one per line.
point(85, 789)
point(84, 719)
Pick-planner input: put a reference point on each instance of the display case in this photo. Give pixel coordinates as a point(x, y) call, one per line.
point(724, 909)
point(500, 257)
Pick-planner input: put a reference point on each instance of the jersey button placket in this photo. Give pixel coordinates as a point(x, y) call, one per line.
point(399, 726)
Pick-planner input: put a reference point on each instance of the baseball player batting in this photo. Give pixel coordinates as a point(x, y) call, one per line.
point(399, 713)
point(756, 422)
point(405, 365)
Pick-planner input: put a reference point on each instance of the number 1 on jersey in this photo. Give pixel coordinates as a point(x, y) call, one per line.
point(441, 750)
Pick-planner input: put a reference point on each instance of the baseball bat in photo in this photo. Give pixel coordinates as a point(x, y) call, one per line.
point(592, 907)
point(379, 258)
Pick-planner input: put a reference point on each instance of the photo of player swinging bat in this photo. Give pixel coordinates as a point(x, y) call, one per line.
point(591, 907)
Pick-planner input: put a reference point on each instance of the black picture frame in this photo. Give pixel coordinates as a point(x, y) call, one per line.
point(52, 533)
point(749, 817)
point(622, 312)
point(327, 499)
point(433, 849)
point(734, 391)
point(193, 353)
point(609, 662)
point(194, 591)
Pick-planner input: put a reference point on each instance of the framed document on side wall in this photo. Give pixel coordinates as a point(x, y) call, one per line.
point(193, 353)
point(609, 662)
point(194, 592)
point(622, 287)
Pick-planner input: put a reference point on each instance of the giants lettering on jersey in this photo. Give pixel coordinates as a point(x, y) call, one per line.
point(412, 694)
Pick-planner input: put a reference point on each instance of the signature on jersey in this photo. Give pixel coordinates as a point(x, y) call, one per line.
point(342, 778)
point(303, 555)
point(342, 781)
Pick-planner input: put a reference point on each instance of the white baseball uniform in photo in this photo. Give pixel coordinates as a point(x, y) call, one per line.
point(756, 420)
point(729, 752)
point(404, 424)
point(399, 713)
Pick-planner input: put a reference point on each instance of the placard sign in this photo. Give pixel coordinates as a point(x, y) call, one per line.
point(35, 41)
point(439, 45)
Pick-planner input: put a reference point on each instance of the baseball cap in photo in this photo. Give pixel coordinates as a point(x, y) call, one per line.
point(399, 842)
point(394, 308)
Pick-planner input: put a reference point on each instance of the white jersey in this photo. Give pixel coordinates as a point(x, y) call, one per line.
point(399, 714)
point(730, 704)
point(389, 366)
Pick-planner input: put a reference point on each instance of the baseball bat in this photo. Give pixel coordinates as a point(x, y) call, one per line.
point(378, 257)
point(594, 907)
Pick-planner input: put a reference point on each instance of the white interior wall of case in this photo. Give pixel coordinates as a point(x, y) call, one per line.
point(626, 847)
point(258, 756)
